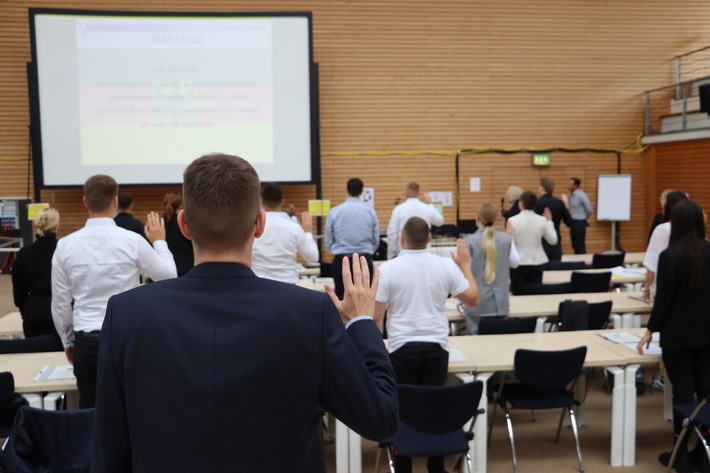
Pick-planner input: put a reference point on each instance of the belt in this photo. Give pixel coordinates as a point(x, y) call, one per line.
point(93, 335)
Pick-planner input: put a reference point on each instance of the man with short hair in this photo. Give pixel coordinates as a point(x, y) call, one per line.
point(580, 209)
point(413, 289)
point(124, 217)
point(411, 207)
point(221, 365)
point(559, 214)
point(94, 263)
point(274, 254)
point(351, 227)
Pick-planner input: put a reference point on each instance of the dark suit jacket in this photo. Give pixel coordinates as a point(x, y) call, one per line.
point(680, 312)
point(559, 214)
point(222, 371)
point(129, 222)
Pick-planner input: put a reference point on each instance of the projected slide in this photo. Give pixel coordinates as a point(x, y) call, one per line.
point(180, 92)
point(139, 97)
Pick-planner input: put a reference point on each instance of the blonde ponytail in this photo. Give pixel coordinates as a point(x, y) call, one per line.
point(487, 214)
point(45, 222)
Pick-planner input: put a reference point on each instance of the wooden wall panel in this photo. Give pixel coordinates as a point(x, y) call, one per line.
point(417, 75)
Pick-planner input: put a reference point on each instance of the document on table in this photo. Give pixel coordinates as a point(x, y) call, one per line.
point(628, 272)
point(456, 355)
point(630, 341)
point(55, 373)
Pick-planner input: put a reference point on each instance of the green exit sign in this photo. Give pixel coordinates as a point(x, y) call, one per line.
point(541, 159)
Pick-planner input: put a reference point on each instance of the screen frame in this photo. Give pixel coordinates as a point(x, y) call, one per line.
point(35, 105)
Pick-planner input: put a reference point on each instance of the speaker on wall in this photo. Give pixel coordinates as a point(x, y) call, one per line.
point(704, 94)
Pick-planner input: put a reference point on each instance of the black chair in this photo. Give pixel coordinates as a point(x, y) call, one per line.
point(608, 260)
point(535, 288)
point(10, 403)
point(572, 315)
point(590, 282)
point(431, 420)
point(43, 441)
point(565, 265)
point(697, 418)
point(41, 344)
point(546, 381)
point(491, 326)
point(599, 313)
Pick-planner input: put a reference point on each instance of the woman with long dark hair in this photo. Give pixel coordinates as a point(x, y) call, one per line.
point(680, 314)
point(179, 246)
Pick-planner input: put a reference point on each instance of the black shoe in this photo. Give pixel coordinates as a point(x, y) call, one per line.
point(682, 463)
point(699, 458)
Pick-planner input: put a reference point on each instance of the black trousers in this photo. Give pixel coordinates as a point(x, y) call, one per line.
point(553, 252)
point(86, 356)
point(689, 372)
point(423, 364)
point(337, 269)
point(578, 232)
point(524, 274)
point(37, 316)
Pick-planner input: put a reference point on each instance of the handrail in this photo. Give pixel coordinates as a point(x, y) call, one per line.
point(685, 82)
point(692, 52)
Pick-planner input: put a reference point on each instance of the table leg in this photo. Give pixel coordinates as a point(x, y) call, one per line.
point(630, 416)
point(617, 416)
point(342, 448)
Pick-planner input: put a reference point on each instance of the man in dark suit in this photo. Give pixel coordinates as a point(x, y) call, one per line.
point(124, 216)
point(223, 371)
point(559, 214)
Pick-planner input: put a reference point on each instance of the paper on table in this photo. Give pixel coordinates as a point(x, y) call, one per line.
point(621, 337)
point(622, 271)
point(55, 373)
point(456, 355)
point(653, 348)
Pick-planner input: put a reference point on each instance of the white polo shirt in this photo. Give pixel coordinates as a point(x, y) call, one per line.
point(415, 286)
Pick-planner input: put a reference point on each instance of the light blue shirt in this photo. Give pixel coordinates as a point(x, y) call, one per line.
point(580, 207)
point(352, 227)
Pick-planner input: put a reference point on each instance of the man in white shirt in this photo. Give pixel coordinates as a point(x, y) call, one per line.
point(274, 254)
point(413, 289)
point(91, 265)
point(411, 207)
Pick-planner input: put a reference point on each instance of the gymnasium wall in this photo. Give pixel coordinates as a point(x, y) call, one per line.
point(404, 84)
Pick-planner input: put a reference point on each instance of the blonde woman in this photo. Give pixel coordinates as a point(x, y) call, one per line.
point(493, 253)
point(32, 276)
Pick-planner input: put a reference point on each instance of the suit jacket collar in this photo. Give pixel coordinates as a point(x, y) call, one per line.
point(221, 271)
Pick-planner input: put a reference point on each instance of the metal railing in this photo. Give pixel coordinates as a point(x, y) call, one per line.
point(692, 69)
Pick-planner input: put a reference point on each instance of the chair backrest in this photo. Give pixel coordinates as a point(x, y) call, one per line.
point(573, 315)
point(590, 282)
point(7, 386)
point(533, 288)
point(599, 313)
point(549, 370)
point(438, 409)
point(43, 440)
point(31, 345)
point(490, 326)
point(565, 265)
point(608, 260)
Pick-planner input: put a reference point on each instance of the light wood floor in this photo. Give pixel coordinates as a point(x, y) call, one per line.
point(537, 452)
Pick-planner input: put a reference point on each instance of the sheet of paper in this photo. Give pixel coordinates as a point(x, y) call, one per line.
point(456, 355)
point(621, 337)
point(55, 373)
point(653, 348)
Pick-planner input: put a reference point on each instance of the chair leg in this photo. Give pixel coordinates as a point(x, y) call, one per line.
point(575, 430)
point(678, 442)
point(391, 460)
point(490, 428)
point(512, 439)
point(469, 462)
point(559, 426)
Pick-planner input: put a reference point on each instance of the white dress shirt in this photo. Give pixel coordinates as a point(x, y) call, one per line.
point(96, 262)
point(529, 229)
point(274, 253)
point(659, 241)
point(412, 207)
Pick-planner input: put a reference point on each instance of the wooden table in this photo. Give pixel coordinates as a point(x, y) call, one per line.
point(26, 366)
point(629, 258)
point(489, 353)
point(11, 326)
point(545, 305)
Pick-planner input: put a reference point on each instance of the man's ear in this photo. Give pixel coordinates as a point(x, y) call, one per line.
point(260, 223)
point(182, 224)
point(83, 201)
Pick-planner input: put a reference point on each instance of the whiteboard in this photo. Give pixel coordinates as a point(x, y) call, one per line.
point(614, 197)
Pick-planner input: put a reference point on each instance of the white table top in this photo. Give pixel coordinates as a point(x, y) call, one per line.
point(629, 258)
point(11, 326)
point(547, 304)
point(26, 366)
